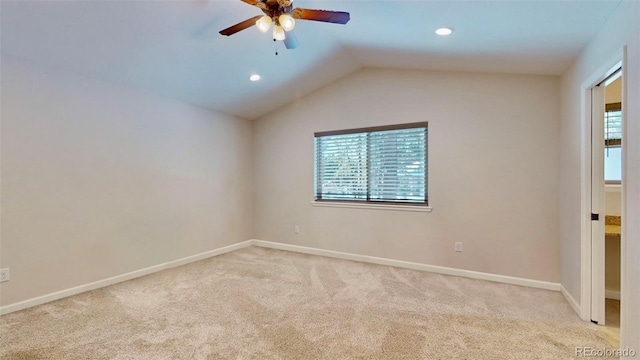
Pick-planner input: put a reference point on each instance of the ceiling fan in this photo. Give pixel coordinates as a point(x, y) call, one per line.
point(283, 15)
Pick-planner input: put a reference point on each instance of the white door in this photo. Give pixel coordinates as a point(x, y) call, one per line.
point(597, 205)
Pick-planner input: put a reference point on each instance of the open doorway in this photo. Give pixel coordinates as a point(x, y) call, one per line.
point(593, 196)
point(612, 204)
point(606, 203)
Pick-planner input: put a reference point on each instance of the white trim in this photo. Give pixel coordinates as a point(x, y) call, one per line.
point(574, 304)
point(411, 265)
point(612, 294)
point(119, 278)
point(597, 205)
point(338, 204)
point(626, 304)
point(585, 205)
point(605, 70)
point(294, 248)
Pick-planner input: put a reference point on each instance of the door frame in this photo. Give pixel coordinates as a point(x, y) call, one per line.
point(586, 250)
point(597, 205)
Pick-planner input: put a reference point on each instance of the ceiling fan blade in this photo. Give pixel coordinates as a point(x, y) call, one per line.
point(290, 40)
point(240, 26)
point(336, 17)
point(257, 3)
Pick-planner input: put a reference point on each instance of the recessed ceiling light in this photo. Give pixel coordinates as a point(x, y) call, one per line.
point(444, 31)
point(254, 77)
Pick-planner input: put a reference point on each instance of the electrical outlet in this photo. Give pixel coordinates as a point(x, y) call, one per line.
point(4, 274)
point(458, 246)
point(296, 229)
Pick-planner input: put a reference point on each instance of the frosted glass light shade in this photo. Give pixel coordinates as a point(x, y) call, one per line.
point(264, 23)
point(278, 33)
point(287, 22)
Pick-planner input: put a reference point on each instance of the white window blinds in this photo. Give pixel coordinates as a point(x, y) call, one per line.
point(382, 164)
point(613, 142)
point(613, 125)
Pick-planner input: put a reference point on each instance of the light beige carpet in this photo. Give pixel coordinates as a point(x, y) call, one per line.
point(259, 303)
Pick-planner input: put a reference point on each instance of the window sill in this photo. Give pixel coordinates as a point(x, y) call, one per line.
point(415, 208)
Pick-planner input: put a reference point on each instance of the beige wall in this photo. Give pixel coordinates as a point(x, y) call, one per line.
point(493, 169)
point(612, 264)
point(621, 30)
point(613, 205)
point(612, 243)
point(613, 92)
point(100, 180)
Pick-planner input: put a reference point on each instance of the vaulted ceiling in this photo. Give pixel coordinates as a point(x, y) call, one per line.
point(173, 49)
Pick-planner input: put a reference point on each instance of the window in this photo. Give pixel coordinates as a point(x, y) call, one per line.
point(377, 165)
point(613, 125)
point(613, 142)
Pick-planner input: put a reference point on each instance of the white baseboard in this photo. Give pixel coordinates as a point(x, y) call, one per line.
point(612, 294)
point(295, 248)
point(119, 278)
point(574, 304)
point(411, 265)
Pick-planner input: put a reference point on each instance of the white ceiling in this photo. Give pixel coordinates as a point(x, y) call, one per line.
point(172, 48)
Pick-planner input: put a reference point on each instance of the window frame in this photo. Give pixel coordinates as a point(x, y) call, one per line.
point(369, 203)
point(615, 142)
point(611, 107)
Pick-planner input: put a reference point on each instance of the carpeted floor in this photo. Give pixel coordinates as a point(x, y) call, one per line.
point(258, 303)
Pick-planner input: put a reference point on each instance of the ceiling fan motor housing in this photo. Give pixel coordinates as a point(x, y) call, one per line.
point(274, 9)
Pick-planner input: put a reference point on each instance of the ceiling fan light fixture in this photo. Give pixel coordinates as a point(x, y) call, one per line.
point(278, 33)
point(287, 22)
point(264, 23)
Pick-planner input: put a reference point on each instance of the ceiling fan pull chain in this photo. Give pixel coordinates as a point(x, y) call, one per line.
point(276, 44)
